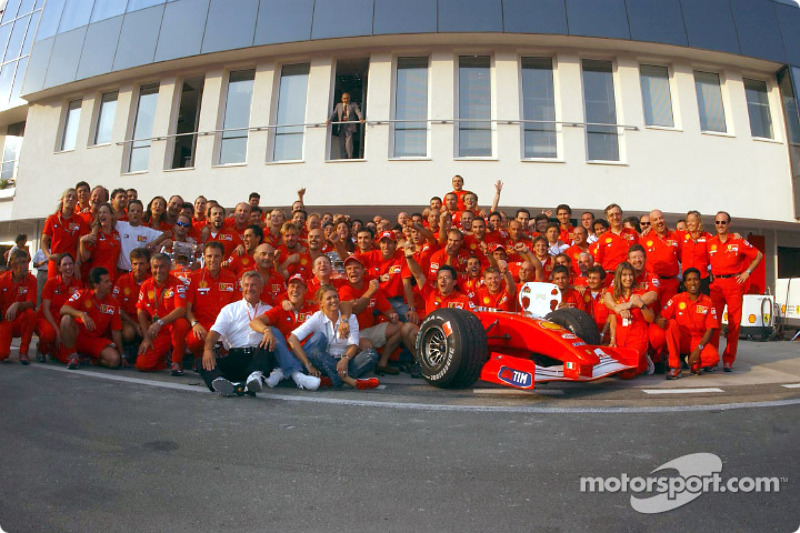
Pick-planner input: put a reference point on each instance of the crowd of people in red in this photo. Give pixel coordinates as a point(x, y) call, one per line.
point(144, 286)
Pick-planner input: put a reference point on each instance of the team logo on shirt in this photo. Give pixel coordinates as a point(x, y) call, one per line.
point(126, 291)
point(682, 306)
point(226, 287)
point(702, 309)
point(107, 309)
point(141, 238)
point(649, 244)
point(733, 248)
point(713, 247)
point(87, 304)
point(608, 241)
point(22, 290)
point(304, 262)
point(395, 269)
point(486, 300)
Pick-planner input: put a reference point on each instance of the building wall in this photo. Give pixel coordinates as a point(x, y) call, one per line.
point(673, 169)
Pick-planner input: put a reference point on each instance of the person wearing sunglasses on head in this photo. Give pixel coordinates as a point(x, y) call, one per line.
point(732, 261)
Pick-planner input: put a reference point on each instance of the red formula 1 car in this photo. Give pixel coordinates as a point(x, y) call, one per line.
point(457, 347)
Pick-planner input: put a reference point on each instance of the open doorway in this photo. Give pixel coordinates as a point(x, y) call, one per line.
point(351, 77)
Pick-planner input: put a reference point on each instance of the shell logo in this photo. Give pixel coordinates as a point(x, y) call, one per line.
point(682, 306)
point(725, 316)
point(608, 241)
point(713, 247)
point(486, 299)
point(649, 244)
point(549, 325)
point(751, 319)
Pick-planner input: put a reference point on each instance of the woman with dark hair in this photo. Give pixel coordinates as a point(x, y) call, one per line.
point(56, 292)
point(629, 323)
point(156, 215)
point(102, 246)
point(62, 231)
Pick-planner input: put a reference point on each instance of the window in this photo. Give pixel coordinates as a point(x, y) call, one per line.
point(758, 108)
point(474, 107)
point(105, 118)
point(709, 102)
point(288, 143)
point(143, 128)
point(411, 107)
point(186, 123)
point(236, 121)
point(538, 108)
point(11, 149)
point(656, 96)
point(352, 76)
point(69, 135)
point(602, 137)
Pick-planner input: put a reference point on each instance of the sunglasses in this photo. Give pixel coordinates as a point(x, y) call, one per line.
point(183, 224)
point(721, 222)
point(644, 224)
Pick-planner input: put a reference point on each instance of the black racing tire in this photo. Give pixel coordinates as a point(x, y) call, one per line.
point(452, 361)
point(576, 321)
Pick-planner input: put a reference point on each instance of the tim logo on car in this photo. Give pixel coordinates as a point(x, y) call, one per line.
point(515, 378)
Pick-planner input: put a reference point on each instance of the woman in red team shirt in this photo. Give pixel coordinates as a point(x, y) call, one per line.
point(56, 292)
point(102, 246)
point(62, 231)
point(156, 215)
point(629, 326)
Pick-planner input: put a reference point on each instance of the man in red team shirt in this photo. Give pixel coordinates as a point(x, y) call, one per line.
point(17, 304)
point(663, 255)
point(563, 214)
point(276, 325)
point(274, 282)
point(579, 246)
point(62, 232)
point(690, 321)
point(458, 191)
point(218, 232)
point(728, 257)
point(442, 293)
point(88, 319)
point(611, 247)
point(451, 255)
point(293, 257)
point(594, 298)
point(210, 289)
point(162, 311)
point(126, 292)
point(569, 296)
point(252, 237)
point(493, 294)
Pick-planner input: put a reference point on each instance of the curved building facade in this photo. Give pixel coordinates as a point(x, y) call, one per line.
point(669, 104)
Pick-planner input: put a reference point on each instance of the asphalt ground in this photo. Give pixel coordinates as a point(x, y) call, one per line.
point(98, 450)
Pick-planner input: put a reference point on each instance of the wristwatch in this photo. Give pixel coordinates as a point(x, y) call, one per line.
point(160, 322)
point(701, 346)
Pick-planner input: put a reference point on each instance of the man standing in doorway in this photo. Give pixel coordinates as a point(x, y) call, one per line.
point(346, 111)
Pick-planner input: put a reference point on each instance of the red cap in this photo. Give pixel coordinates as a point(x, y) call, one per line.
point(351, 259)
point(387, 235)
point(296, 277)
point(496, 246)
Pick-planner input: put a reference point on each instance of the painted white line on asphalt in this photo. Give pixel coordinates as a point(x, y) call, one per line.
point(682, 391)
point(317, 397)
point(519, 392)
point(793, 386)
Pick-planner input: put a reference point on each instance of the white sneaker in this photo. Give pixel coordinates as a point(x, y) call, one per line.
point(254, 381)
point(651, 367)
point(305, 382)
point(274, 378)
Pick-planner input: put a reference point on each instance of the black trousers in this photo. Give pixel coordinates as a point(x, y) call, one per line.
point(238, 364)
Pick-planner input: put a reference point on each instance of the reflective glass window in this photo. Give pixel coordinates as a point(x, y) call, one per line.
point(26, 6)
point(26, 46)
point(135, 5)
point(602, 136)
point(105, 118)
point(50, 18)
point(11, 149)
point(76, 14)
point(17, 36)
point(474, 107)
point(72, 118)
point(10, 11)
point(105, 9)
point(143, 128)
point(6, 81)
point(411, 107)
point(539, 109)
point(709, 101)
point(758, 108)
point(288, 144)
point(233, 146)
point(17, 87)
point(656, 96)
point(5, 33)
point(187, 120)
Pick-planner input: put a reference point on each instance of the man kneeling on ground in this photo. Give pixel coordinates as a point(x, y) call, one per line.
point(245, 365)
point(89, 317)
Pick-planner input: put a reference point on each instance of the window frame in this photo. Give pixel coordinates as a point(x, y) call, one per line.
point(65, 123)
point(724, 100)
point(616, 86)
point(557, 115)
point(132, 122)
point(222, 109)
point(673, 96)
point(392, 156)
point(275, 108)
point(97, 116)
point(769, 86)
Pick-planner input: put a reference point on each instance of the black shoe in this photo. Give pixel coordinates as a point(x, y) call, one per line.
point(176, 370)
point(416, 371)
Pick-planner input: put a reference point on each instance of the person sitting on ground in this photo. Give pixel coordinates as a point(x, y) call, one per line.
point(55, 294)
point(246, 363)
point(690, 320)
point(337, 357)
point(90, 323)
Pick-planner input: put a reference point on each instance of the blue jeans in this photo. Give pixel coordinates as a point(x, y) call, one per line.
point(284, 358)
point(316, 349)
point(400, 307)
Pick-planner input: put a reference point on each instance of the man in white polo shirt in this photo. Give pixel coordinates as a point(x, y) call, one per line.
point(133, 234)
point(243, 369)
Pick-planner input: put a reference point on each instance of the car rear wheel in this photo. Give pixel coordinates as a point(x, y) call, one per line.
point(578, 322)
point(452, 348)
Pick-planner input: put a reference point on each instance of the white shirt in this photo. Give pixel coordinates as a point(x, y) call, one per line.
point(557, 248)
point(233, 324)
point(319, 323)
point(592, 238)
point(130, 238)
point(38, 257)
